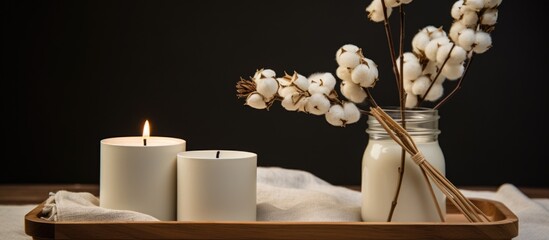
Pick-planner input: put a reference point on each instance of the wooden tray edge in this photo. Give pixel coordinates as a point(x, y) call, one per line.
point(504, 228)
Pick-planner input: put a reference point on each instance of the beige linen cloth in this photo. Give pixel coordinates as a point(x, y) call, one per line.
point(82, 206)
point(282, 195)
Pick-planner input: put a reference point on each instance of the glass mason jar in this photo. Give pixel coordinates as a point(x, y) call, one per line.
point(380, 170)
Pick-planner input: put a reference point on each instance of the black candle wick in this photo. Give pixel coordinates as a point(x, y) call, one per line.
point(144, 142)
point(217, 154)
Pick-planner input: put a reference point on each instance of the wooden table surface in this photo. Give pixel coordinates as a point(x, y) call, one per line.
point(37, 193)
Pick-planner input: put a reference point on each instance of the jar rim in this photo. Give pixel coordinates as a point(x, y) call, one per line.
point(414, 109)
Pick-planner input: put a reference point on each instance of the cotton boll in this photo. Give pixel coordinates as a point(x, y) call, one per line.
point(375, 11)
point(407, 85)
point(290, 101)
point(283, 81)
point(431, 75)
point(474, 4)
point(419, 42)
point(421, 85)
point(483, 42)
point(348, 59)
point(373, 67)
point(456, 10)
point(353, 92)
point(264, 73)
point(268, 73)
point(350, 48)
point(453, 71)
point(286, 91)
point(411, 100)
point(432, 47)
point(440, 78)
point(431, 71)
point(408, 57)
point(434, 32)
point(469, 18)
point(335, 116)
point(288, 104)
point(301, 82)
point(435, 93)
point(315, 88)
point(457, 55)
point(455, 30)
point(437, 33)
point(267, 87)
point(315, 78)
point(490, 17)
point(256, 101)
point(466, 39)
point(302, 103)
point(321, 83)
point(318, 104)
point(296, 80)
point(412, 70)
point(328, 80)
point(491, 3)
point(347, 48)
point(364, 76)
point(343, 73)
point(411, 65)
point(351, 113)
point(360, 73)
point(430, 68)
point(429, 29)
point(369, 83)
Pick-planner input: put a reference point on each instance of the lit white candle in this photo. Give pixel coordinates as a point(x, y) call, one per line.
point(139, 174)
point(216, 186)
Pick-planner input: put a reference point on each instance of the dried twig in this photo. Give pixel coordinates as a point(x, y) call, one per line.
point(402, 99)
point(389, 36)
point(245, 87)
point(458, 86)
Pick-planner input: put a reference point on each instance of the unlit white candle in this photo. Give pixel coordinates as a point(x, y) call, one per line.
point(216, 189)
point(140, 178)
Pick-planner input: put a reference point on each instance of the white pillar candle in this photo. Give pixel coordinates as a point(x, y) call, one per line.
point(138, 177)
point(216, 186)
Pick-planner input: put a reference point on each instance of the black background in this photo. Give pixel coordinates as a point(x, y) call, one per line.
point(75, 72)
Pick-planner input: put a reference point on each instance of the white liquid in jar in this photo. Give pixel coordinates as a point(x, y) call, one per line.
point(380, 165)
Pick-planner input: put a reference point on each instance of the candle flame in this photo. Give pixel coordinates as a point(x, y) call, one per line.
point(146, 130)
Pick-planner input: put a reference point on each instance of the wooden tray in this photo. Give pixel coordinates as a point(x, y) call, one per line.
point(504, 225)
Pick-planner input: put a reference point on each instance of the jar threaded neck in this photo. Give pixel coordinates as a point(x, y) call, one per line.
point(421, 124)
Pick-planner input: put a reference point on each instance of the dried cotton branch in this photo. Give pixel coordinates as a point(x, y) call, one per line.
point(314, 95)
